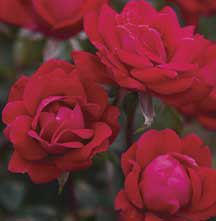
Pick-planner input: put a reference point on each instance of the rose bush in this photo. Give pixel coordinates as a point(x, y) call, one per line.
point(57, 122)
point(167, 178)
point(59, 19)
point(192, 10)
point(145, 49)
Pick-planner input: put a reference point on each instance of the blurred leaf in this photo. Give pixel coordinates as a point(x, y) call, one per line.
point(85, 43)
point(168, 118)
point(27, 49)
point(105, 216)
point(52, 49)
point(6, 72)
point(86, 196)
point(12, 194)
point(40, 213)
point(4, 29)
point(207, 27)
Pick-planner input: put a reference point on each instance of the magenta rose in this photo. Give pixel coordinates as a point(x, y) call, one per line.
point(167, 179)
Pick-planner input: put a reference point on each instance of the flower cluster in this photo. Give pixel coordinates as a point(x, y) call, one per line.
point(61, 116)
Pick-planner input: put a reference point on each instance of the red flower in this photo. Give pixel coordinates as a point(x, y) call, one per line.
point(145, 49)
point(199, 101)
point(167, 179)
point(57, 122)
point(205, 109)
point(60, 19)
point(193, 9)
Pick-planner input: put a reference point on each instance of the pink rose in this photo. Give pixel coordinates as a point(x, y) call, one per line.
point(167, 179)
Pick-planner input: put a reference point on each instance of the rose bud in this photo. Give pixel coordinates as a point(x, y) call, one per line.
point(145, 49)
point(192, 10)
point(57, 122)
point(55, 18)
point(167, 178)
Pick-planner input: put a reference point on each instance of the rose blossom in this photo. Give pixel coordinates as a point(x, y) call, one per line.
point(199, 101)
point(205, 109)
point(167, 179)
point(56, 18)
point(145, 49)
point(193, 9)
point(57, 122)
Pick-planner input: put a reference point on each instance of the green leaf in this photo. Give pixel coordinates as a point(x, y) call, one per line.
point(168, 118)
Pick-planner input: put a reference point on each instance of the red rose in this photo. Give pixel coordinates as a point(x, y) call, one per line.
point(167, 179)
point(56, 18)
point(199, 101)
point(206, 107)
point(145, 49)
point(193, 9)
point(57, 122)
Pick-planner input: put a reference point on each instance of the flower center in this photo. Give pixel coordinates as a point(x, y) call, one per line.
point(165, 185)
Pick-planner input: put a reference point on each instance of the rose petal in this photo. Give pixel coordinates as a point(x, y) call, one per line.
point(40, 172)
point(153, 75)
point(76, 156)
point(16, 92)
point(132, 186)
point(23, 143)
point(121, 201)
point(12, 111)
point(127, 157)
point(193, 146)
